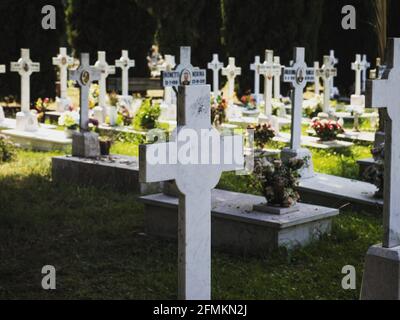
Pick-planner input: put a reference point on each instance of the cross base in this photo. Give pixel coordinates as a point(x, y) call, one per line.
point(304, 154)
point(63, 104)
point(381, 279)
point(27, 121)
point(357, 101)
point(85, 145)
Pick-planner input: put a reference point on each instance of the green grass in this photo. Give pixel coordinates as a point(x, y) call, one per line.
point(96, 241)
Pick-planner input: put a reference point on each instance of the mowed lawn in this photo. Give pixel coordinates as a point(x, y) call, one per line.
point(96, 240)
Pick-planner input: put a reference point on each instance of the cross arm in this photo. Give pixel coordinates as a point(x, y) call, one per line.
point(157, 162)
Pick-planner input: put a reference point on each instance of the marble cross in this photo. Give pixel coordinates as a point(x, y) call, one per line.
point(357, 67)
point(385, 93)
point(365, 66)
point(124, 63)
point(105, 70)
point(277, 77)
point(231, 72)
point(215, 65)
point(334, 62)
point(298, 76)
point(85, 75)
point(317, 85)
point(327, 73)
point(256, 68)
point(195, 179)
point(25, 67)
point(184, 73)
point(269, 70)
point(63, 61)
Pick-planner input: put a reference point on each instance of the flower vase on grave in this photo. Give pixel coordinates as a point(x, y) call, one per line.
point(112, 115)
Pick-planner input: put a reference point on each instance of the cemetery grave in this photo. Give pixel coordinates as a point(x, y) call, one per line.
point(254, 183)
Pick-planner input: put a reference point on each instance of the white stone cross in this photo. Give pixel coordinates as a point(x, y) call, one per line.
point(334, 62)
point(63, 61)
point(365, 66)
point(385, 93)
point(269, 70)
point(85, 75)
point(105, 70)
point(124, 63)
point(317, 85)
point(231, 72)
point(327, 73)
point(256, 68)
point(215, 65)
point(357, 67)
point(25, 67)
point(277, 77)
point(169, 94)
point(195, 178)
point(298, 76)
point(184, 73)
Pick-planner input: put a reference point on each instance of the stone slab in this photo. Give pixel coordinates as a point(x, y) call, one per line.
point(41, 140)
point(118, 172)
point(381, 279)
point(352, 136)
point(364, 165)
point(11, 124)
point(313, 142)
point(237, 228)
point(340, 193)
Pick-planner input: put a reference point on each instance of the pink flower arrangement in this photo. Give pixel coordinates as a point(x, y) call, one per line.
point(326, 130)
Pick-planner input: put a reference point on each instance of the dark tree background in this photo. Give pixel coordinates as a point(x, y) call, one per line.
point(236, 28)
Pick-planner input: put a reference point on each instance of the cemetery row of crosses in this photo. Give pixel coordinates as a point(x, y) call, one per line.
point(270, 137)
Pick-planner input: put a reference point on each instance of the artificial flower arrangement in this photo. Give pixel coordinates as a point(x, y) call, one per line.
point(147, 116)
point(326, 130)
point(263, 133)
point(70, 121)
point(375, 174)
point(42, 106)
point(94, 94)
point(277, 181)
point(218, 110)
point(248, 101)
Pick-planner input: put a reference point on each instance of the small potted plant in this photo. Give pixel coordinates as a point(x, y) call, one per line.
point(104, 141)
point(218, 110)
point(326, 130)
point(277, 181)
point(70, 121)
point(8, 149)
point(263, 133)
point(250, 105)
point(375, 174)
point(147, 116)
point(41, 107)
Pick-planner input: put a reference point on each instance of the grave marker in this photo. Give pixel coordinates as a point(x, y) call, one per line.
point(317, 85)
point(26, 121)
point(256, 68)
point(84, 143)
point(169, 95)
point(124, 63)
point(366, 65)
point(215, 65)
point(195, 182)
point(327, 73)
point(298, 75)
point(382, 278)
point(358, 66)
point(184, 73)
point(269, 70)
point(231, 72)
point(105, 70)
point(277, 78)
point(334, 62)
point(63, 61)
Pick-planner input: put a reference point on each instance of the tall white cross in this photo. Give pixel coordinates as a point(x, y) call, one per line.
point(105, 70)
point(334, 62)
point(85, 75)
point(25, 67)
point(385, 93)
point(184, 73)
point(277, 77)
point(317, 85)
point(63, 61)
point(269, 70)
point(357, 66)
point(124, 63)
point(195, 178)
point(298, 76)
point(231, 72)
point(327, 73)
point(256, 68)
point(215, 65)
point(365, 66)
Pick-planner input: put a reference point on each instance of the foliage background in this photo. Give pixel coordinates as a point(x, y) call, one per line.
point(228, 27)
